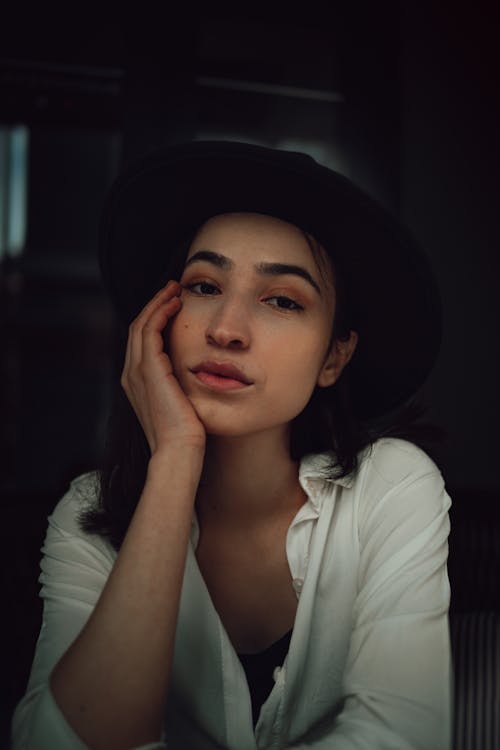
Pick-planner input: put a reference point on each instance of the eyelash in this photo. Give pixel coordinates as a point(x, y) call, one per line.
point(296, 308)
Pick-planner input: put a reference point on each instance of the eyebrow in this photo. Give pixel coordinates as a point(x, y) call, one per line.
point(265, 269)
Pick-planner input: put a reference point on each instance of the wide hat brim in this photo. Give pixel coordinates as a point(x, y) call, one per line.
point(160, 200)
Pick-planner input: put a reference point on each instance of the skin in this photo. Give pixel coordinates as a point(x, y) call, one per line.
point(250, 320)
point(225, 453)
point(249, 491)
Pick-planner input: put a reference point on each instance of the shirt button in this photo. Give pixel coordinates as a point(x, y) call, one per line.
point(276, 673)
point(297, 584)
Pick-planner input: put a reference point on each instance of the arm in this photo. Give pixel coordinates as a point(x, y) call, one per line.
point(75, 569)
point(111, 683)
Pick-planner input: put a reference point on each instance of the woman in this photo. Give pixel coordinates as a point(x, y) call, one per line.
point(257, 566)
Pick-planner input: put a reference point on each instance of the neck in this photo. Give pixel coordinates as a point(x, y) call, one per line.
point(248, 480)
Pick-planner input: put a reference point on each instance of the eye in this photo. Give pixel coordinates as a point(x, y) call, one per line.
point(204, 288)
point(285, 303)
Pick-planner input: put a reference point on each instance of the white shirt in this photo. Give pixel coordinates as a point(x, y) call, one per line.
point(369, 663)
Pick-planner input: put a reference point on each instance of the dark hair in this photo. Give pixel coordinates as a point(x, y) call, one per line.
point(327, 424)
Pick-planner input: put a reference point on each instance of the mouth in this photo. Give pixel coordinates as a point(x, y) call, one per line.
point(221, 376)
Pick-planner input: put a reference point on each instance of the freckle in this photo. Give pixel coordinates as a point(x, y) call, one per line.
point(186, 325)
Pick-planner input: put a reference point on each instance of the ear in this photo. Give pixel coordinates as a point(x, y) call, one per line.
point(336, 359)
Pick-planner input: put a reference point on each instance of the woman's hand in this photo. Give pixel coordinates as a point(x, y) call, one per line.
point(163, 409)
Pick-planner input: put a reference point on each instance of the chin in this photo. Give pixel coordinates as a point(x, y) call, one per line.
point(215, 419)
point(225, 427)
point(224, 420)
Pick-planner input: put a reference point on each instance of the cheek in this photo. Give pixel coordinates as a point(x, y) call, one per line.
point(304, 350)
point(299, 365)
point(176, 334)
point(183, 335)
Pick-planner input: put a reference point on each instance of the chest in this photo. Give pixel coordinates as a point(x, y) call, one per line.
point(249, 582)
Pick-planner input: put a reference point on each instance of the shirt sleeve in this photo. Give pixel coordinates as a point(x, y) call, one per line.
point(74, 570)
point(397, 683)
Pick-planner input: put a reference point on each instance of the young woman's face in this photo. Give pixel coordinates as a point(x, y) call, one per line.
point(253, 299)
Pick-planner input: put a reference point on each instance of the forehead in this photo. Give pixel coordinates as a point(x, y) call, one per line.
point(255, 237)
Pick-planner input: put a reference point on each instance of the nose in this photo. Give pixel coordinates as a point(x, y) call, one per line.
point(228, 326)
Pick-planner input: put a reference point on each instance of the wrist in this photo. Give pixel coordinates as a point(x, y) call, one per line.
point(177, 456)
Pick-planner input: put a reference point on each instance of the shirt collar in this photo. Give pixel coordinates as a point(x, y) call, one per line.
point(315, 477)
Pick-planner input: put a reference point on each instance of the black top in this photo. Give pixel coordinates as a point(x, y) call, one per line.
point(259, 670)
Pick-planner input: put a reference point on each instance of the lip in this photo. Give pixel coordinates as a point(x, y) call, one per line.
point(221, 375)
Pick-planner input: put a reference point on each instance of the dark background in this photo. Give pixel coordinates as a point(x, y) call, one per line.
point(401, 97)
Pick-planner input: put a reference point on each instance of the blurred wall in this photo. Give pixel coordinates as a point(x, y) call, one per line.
point(449, 196)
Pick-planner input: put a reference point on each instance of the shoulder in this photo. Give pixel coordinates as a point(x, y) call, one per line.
point(393, 461)
point(82, 494)
point(386, 463)
point(64, 521)
point(398, 479)
point(65, 538)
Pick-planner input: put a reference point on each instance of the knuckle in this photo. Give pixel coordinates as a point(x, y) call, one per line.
point(142, 371)
point(150, 326)
point(136, 376)
point(125, 385)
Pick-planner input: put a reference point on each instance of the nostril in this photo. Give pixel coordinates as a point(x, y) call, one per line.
point(225, 338)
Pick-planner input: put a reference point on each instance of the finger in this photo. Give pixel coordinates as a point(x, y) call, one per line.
point(134, 341)
point(134, 344)
point(152, 339)
point(142, 353)
point(155, 364)
point(169, 291)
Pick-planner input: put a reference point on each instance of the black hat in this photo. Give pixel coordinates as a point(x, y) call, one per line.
point(159, 201)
